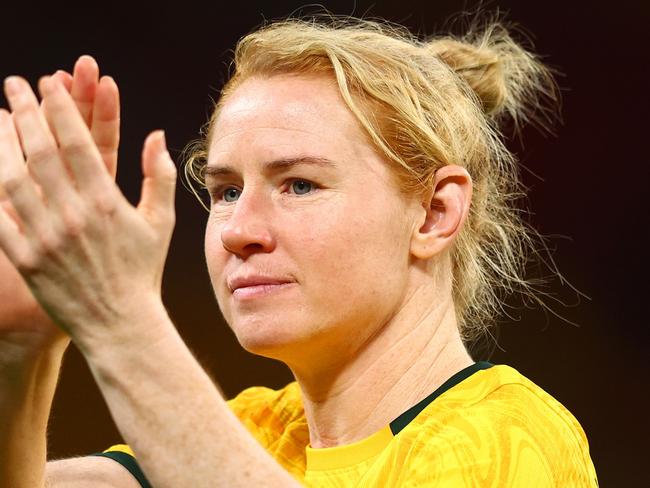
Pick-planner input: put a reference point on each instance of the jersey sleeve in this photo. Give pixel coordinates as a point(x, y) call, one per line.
point(123, 454)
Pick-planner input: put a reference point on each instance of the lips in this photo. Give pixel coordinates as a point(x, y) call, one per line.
point(254, 280)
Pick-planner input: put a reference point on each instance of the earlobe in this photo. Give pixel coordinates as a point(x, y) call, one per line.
point(445, 210)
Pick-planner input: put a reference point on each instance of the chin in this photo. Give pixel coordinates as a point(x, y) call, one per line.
point(261, 337)
point(270, 340)
point(271, 349)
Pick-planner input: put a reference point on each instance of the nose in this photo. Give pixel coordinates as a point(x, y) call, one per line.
point(247, 230)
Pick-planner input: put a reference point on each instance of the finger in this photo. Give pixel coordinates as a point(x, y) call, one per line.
point(105, 126)
point(16, 182)
point(64, 78)
point(159, 185)
point(38, 144)
point(11, 153)
point(75, 141)
point(5, 203)
point(84, 86)
point(8, 208)
point(12, 242)
point(10, 148)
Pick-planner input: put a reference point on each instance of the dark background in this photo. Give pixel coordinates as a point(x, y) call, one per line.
point(170, 58)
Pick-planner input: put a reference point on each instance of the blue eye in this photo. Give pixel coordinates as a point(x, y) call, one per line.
point(231, 192)
point(300, 187)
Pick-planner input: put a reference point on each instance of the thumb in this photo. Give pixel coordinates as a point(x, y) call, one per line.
point(159, 184)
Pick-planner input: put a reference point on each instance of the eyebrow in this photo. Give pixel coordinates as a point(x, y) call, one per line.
point(275, 166)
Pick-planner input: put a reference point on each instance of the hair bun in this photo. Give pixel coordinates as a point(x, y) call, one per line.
point(479, 66)
point(507, 79)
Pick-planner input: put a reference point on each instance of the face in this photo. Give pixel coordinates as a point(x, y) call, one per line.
point(307, 242)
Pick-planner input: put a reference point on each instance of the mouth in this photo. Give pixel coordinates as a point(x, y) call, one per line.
point(259, 290)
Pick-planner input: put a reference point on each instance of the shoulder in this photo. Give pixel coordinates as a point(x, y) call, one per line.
point(266, 412)
point(259, 401)
point(502, 423)
point(501, 397)
point(507, 395)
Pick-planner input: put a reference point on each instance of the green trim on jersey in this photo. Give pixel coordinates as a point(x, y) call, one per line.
point(396, 425)
point(407, 417)
point(129, 463)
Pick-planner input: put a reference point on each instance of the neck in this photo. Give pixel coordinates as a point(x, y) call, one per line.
point(411, 356)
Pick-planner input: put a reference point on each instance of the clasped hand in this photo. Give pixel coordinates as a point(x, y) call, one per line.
point(91, 259)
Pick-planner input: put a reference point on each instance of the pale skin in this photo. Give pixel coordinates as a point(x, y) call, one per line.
point(31, 346)
point(369, 271)
point(94, 262)
point(389, 317)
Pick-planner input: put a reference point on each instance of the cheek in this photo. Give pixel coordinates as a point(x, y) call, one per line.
point(215, 254)
point(355, 251)
point(216, 258)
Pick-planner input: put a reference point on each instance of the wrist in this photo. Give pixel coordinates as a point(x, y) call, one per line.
point(23, 351)
point(131, 334)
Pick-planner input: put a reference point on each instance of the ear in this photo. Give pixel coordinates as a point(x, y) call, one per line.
point(444, 211)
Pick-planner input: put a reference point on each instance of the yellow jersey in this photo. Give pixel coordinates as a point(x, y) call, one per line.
point(486, 426)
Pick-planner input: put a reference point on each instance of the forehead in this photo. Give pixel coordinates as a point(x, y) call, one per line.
point(286, 113)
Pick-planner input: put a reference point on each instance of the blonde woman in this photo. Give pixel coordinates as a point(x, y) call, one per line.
point(362, 228)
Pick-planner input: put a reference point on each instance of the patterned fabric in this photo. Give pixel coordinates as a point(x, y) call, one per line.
point(487, 426)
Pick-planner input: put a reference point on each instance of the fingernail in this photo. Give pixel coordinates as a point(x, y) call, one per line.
point(12, 85)
point(46, 84)
point(87, 58)
point(107, 79)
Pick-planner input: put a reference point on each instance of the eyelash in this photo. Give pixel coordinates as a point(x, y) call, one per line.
point(217, 193)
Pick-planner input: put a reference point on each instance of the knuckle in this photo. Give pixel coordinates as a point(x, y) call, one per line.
point(104, 204)
point(42, 153)
point(48, 244)
point(12, 183)
point(106, 148)
point(73, 222)
point(27, 263)
point(24, 107)
point(74, 148)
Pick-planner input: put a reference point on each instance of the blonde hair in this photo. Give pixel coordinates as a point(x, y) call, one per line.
point(425, 104)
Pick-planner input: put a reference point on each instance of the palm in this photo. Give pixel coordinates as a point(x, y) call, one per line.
point(97, 101)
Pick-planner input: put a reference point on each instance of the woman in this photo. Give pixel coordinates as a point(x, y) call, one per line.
point(361, 226)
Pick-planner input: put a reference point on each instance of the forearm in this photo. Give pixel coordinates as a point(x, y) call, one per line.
point(173, 417)
point(27, 384)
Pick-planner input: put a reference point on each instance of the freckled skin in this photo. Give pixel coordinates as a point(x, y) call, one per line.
point(345, 243)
